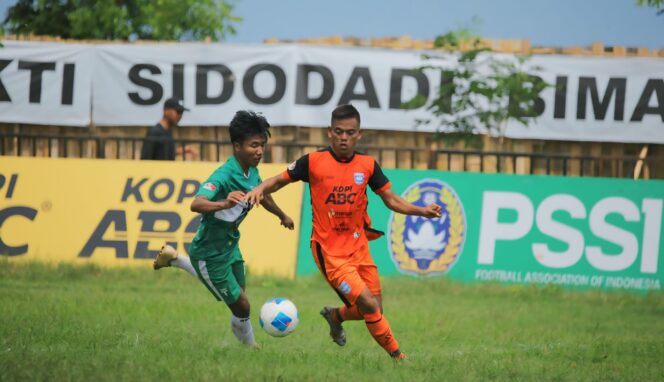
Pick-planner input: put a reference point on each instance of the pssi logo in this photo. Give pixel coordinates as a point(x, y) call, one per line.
point(341, 195)
point(7, 187)
point(636, 242)
point(421, 246)
point(111, 232)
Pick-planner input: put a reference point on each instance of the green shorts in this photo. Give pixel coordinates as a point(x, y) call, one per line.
point(224, 277)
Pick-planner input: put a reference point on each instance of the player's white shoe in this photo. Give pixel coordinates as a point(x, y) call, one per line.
point(164, 257)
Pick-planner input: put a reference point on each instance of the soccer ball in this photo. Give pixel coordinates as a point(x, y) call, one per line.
point(279, 317)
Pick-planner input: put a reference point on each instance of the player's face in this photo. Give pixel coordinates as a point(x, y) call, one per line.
point(344, 134)
point(173, 116)
point(250, 152)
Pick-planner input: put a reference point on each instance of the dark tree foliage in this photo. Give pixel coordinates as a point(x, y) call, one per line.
point(123, 19)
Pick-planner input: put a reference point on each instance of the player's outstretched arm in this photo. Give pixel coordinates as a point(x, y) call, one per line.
point(202, 204)
point(273, 208)
point(398, 204)
point(268, 186)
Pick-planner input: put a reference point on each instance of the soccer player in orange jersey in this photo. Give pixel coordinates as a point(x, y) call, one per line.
point(338, 177)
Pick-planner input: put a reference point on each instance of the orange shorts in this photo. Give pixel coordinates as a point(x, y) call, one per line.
point(348, 275)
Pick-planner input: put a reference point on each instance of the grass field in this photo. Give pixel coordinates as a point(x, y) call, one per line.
point(85, 323)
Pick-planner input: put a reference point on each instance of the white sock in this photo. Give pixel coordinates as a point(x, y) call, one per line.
point(242, 330)
point(183, 262)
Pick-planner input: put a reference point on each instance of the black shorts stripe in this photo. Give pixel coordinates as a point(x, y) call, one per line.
point(321, 261)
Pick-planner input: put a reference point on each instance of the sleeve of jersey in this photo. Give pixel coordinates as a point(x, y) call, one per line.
point(298, 170)
point(210, 188)
point(378, 181)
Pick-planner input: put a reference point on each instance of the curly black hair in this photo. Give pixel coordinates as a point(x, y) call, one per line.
point(247, 123)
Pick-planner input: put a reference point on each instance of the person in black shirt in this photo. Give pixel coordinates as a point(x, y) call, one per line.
point(159, 144)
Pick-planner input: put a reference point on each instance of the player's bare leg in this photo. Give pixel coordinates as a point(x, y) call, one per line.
point(352, 313)
point(168, 256)
point(378, 325)
point(240, 323)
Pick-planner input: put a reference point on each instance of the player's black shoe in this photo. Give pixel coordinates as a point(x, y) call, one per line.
point(336, 330)
point(399, 357)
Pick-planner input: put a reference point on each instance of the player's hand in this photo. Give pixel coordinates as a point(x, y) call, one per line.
point(254, 197)
point(287, 222)
point(234, 198)
point(433, 210)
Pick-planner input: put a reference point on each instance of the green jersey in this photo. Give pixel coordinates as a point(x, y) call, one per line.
point(218, 235)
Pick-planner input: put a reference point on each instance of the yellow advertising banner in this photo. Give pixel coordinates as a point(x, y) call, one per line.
point(114, 212)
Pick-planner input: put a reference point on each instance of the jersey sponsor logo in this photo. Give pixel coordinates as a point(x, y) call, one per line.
point(341, 227)
point(359, 178)
point(421, 246)
point(210, 186)
point(344, 287)
point(340, 214)
point(341, 195)
point(341, 198)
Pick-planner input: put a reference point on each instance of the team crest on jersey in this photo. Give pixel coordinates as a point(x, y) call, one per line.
point(420, 246)
point(359, 178)
point(210, 186)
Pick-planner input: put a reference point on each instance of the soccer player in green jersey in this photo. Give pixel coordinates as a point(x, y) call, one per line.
point(215, 254)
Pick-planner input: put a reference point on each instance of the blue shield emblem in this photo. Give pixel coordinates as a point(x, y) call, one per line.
point(359, 178)
point(420, 246)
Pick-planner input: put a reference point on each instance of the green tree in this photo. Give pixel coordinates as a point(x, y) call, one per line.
point(657, 4)
point(39, 17)
point(481, 92)
point(123, 19)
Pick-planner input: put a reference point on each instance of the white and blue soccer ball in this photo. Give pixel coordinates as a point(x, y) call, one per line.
point(279, 317)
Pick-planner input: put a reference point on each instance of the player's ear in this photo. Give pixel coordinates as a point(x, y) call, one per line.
point(329, 132)
point(237, 146)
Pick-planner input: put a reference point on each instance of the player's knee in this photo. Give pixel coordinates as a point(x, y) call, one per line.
point(241, 307)
point(368, 305)
point(379, 299)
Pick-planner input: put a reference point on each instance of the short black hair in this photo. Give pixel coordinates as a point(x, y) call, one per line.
point(247, 123)
point(344, 112)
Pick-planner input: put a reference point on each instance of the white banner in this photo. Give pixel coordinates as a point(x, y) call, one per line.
point(598, 99)
point(43, 83)
point(214, 81)
point(290, 84)
point(595, 99)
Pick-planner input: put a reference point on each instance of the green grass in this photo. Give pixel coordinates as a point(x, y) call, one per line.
point(88, 323)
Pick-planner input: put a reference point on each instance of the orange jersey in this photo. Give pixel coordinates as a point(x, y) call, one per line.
point(338, 197)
